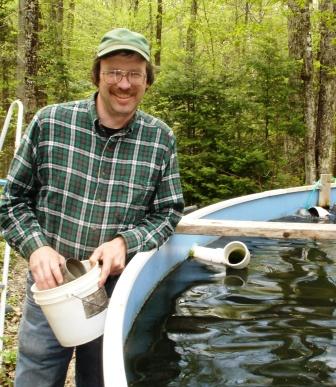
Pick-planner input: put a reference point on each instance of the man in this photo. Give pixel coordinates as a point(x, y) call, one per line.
point(94, 179)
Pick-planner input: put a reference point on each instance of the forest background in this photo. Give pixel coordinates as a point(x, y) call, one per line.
point(247, 86)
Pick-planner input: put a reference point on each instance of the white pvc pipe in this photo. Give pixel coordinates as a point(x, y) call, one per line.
point(235, 255)
point(208, 254)
point(319, 211)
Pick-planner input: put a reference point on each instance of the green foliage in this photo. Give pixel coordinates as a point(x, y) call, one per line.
point(8, 37)
point(9, 357)
point(234, 102)
point(229, 126)
point(8, 365)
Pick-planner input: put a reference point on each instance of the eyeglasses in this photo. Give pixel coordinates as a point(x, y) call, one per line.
point(115, 76)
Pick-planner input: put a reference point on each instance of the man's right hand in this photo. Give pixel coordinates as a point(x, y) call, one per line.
point(45, 264)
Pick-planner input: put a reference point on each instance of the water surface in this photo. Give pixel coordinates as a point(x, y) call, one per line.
point(272, 324)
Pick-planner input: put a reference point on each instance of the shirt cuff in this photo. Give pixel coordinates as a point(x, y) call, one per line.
point(133, 240)
point(32, 243)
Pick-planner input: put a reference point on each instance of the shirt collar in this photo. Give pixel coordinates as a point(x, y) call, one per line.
point(92, 107)
point(95, 119)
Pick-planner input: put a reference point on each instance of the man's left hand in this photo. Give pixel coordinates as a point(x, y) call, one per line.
point(112, 256)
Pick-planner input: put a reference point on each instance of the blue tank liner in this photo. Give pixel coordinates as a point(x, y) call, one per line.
point(146, 270)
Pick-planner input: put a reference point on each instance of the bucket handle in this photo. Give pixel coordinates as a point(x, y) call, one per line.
point(94, 303)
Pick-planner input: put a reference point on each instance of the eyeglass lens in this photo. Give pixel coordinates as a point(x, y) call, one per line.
point(115, 76)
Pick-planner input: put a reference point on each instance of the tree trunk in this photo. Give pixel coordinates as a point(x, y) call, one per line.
point(300, 47)
point(307, 75)
point(58, 65)
point(70, 22)
point(150, 22)
point(7, 71)
point(20, 64)
point(157, 56)
point(326, 98)
point(6, 59)
point(191, 34)
point(5, 84)
point(247, 12)
point(135, 6)
point(211, 49)
point(27, 55)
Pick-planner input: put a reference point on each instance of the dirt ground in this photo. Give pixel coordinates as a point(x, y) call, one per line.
point(15, 298)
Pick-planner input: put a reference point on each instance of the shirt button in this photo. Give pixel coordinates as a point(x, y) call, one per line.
point(118, 216)
point(104, 174)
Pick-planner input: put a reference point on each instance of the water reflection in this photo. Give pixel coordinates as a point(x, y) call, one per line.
point(272, 324)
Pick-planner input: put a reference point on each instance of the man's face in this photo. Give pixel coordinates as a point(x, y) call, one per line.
point(119, 100)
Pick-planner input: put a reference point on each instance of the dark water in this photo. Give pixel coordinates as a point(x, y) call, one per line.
point(272, 324)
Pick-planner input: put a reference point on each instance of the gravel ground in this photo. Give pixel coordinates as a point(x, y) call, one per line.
point(15, 297)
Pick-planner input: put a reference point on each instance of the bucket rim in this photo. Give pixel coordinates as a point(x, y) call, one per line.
point(68, 287)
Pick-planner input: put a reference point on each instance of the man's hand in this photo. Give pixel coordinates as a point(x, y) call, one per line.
point(45, 264)
point(112, 255)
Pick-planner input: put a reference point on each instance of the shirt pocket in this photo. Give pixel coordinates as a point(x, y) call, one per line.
point(138, 199)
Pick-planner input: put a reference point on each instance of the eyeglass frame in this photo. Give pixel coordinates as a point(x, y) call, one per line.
point(126, 74)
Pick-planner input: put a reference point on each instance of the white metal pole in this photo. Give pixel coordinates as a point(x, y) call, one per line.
point(4, 296)
point(6, 259)
point(18, 125)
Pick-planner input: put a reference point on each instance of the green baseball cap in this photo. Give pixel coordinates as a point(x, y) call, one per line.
point(124, 39)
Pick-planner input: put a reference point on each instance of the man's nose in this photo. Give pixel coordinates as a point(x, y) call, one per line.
point(124, 82)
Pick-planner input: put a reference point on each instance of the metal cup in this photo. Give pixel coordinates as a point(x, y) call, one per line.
point(72, 269)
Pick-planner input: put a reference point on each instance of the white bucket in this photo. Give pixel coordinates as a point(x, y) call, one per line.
point(75, 311)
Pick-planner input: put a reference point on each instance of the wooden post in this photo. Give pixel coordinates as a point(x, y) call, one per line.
point(324, 196)
point(312, 231)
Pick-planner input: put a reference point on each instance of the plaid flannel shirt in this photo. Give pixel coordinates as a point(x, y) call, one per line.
point(73, 189)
